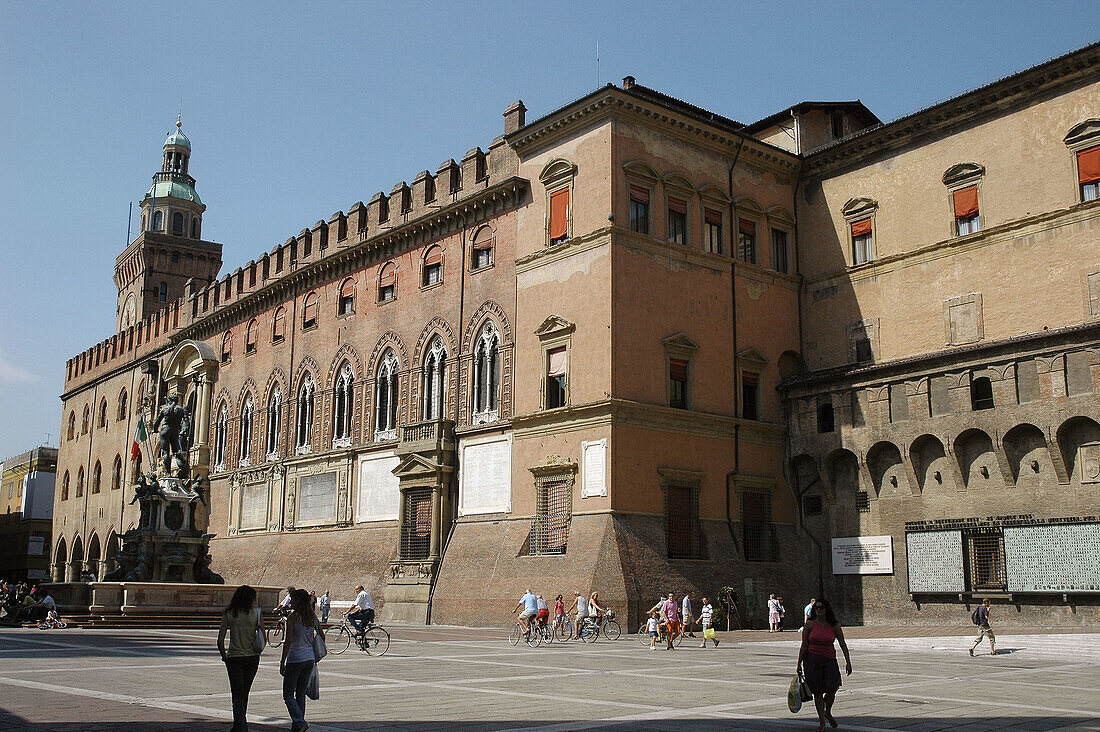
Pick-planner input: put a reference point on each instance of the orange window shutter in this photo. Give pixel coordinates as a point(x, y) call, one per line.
point(966, 202)
point(861, 227)
point(310, 310)
point(559, 214)
point(1088, 165)
point(484, 239)
point(348, 289)
point(677, 369)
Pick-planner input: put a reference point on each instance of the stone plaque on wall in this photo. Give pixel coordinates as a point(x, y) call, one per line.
point(964, 319)
point(935, 560)
point(594, 468)
point(485, 480)
point(379, 491)
point(1053, 558)
point(317, 497)
point(863, 555)
point(254, 503)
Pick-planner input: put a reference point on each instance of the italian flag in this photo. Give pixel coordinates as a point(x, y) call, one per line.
point(140, 436)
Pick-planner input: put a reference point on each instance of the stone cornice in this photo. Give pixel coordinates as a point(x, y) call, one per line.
point(568, 248)
point(964, 109)
point(495, 198)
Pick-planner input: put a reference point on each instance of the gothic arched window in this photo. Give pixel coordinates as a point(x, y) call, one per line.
point(116, 473)
point(385, 416)
point(70, 432)
point(347, 298)
point(250, 337)
point(80, 482)
point(303, 442)
point(122, 403)
point(433, 394)
point(65, 487)
point(487, 374)
point(342, 406)
point(97, 476)
point(103, 413)
point(84, 422)
point(246, 432)
point(278, 325)
point(274, 418)
point(158, 220)
point(177, 223)
point(221, 427)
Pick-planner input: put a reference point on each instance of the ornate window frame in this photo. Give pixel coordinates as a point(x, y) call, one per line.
point(678, 346)
point(559, 174)
point(957, 178)
point(1081, 136)
point(555, 332)
point(855, 210)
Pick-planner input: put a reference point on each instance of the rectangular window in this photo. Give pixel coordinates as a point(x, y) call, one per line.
point(482, 258)
point(559, 216)
point(757, 531)
point(677, 383)
point(713, 239)
point(433, 274)
point(416, 531)
point(985, 558)
point(812, 505)
point(677, 221)
point(749, 395)
point(967, 220)
point(553, 509)
point(1088, 173)
point(863, 241)
point(779, 251)
point(863, 501)
point(746, 241)
point(863, 350)
point(639, 209)
point(682, 521)
point(557, 367)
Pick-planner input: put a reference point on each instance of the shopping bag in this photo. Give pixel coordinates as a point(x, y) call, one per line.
point(708, 633)
point(313, 686)
point(794, 697)
point(804, 689)
point(320, 650)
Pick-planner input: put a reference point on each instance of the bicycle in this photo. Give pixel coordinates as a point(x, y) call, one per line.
point(277, 634)
point(563, 630)
point(609, 626)
point(532, 637)
point(374, 639)
point(662, 636)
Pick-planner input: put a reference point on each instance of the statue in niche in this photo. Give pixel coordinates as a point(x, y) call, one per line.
point(173, 426)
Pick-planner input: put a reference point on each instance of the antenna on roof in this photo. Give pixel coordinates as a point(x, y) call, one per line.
point(129, 220)
point(597, 64)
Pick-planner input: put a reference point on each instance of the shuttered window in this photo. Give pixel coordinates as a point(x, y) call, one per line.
point(1088, 173)
point(559, 215)
point(965, 201)
point(309, 310)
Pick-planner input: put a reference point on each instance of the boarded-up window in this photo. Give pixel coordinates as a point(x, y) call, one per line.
point(939, 395)
point(758, 533)
point(964, 319)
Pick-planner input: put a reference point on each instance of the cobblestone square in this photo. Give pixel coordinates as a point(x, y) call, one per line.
point(456, 679)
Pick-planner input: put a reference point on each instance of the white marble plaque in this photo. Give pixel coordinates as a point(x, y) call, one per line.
point(317, 497)
point(863, 555)
point(935, 560)
point(254, 502)
point(594, 468)
point(379, 493)
point(1053, 558)
point(485, 480)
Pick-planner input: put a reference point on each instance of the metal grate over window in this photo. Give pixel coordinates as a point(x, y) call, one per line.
point(682, 520)
point(863, 501)
point(986, 560)
point(416, 531)
point(757, 530)
point(553, 509)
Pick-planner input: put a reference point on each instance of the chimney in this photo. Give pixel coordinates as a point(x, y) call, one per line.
point(514, 116)
point(628, 82)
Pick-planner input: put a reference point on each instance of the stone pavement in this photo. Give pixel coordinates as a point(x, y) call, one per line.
point(458, 679)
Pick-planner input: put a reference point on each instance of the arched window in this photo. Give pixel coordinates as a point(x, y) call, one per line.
point(981, 393)
point(278, 327)
point(122, 402)
point(434, 380)
point(387, 282)
point(116, 473)
point(303, 442)
point(97, 476)
point(103, 414)
point(84, 423)
point(162, 292)
point(65, 486)
point(177, 223)
point(137, 468)
point(250, 337)
point(433, 267)
point(70, 431)
point(309, 311)
point(825, 421)
point(227, 346)
point(274, 417)
point(221, 427)
point(158, 220)
point(347, 297)
point(80, 482)
point(481, 254)
point(246, 432)
point(385, 416)
point(342, 406)
point(487, 374)
point(140, 403)
point(194, 227)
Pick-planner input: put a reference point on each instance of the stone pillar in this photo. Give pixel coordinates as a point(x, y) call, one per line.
point(401, 524)
point(59, 572)
point(436, 524)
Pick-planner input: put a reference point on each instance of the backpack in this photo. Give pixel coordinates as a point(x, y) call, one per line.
point(975, 617)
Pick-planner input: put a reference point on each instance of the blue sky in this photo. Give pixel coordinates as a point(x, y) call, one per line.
point(297, 110)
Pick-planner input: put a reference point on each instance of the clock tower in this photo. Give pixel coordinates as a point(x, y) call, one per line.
point(169, 249)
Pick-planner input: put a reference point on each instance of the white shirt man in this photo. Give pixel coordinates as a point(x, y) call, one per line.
point(685, 614)
point(362, 610)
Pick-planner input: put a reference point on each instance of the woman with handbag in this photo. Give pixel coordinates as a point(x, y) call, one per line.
point(244, 624)
point(301, 651)
point(817, 659)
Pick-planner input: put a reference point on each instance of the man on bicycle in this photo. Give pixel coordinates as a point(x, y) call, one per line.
point(361, 611)
point(580, 602)
point(530, 604)
point(283, 608)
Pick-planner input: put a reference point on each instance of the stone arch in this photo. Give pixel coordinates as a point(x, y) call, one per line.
point(276, 378)
point(641, 169)
point(1026, 451)
point(977, 461)
point(389, 339)
point(714, 193)
point(110, 552)
point(747, 204)
point(60, 560)
point(434, 326)
point(488, 309)
point(884, 463)
point(306, 366)
point(76, 560)
point(347, 353)
point(806, 474)
point(249, 388)
point(678, 181)
point(556, 169)
point(930, 462)
point(790, 364)
point(93, 562)
point(1077, 437)
point(842, 470)
point(224, 399)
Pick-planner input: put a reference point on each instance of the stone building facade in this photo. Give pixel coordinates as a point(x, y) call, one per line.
point(26, 512)
point(594, 356)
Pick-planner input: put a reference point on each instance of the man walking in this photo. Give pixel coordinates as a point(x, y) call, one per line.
point(672, 612)
point(686, 616)
point(325, 603)
point(706, 615)
point(807, 610)
point(984, 629)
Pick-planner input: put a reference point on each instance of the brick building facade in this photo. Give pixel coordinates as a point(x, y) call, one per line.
point(603, 355)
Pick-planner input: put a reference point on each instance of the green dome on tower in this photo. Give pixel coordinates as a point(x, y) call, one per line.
point(178, 138)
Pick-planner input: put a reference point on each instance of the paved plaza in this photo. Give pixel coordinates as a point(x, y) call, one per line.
point(457, 679)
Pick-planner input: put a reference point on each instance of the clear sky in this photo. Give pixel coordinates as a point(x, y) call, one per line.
point(298, 110)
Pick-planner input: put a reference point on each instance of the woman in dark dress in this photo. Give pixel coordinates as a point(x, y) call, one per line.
point(817, 659)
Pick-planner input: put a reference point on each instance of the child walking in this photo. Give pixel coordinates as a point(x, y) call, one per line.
point(652, 627)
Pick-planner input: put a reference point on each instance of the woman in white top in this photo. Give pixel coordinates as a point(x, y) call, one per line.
point(240, 620)
point(298, 656)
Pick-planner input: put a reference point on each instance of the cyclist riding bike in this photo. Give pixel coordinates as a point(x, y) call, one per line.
point(361, 612)
point(530, 604)
point(544, 611)
point(283, 608)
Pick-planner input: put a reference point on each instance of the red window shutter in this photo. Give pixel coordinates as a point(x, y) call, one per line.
point(746, 227)
point(309, 311)
point(484, 238)
point(347, 289)
point(861, 227)
point(677, 205)
point(1088, 165)
point(279, 329)
point(966, 202)
point(388, 276)
point(559, 214)
point(677, 369)
point(713, 217)
point(641, 195)
point(435, 256)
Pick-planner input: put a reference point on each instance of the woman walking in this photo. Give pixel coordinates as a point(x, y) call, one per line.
point(241, 620)
point(817, 659)
point(298, 658)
